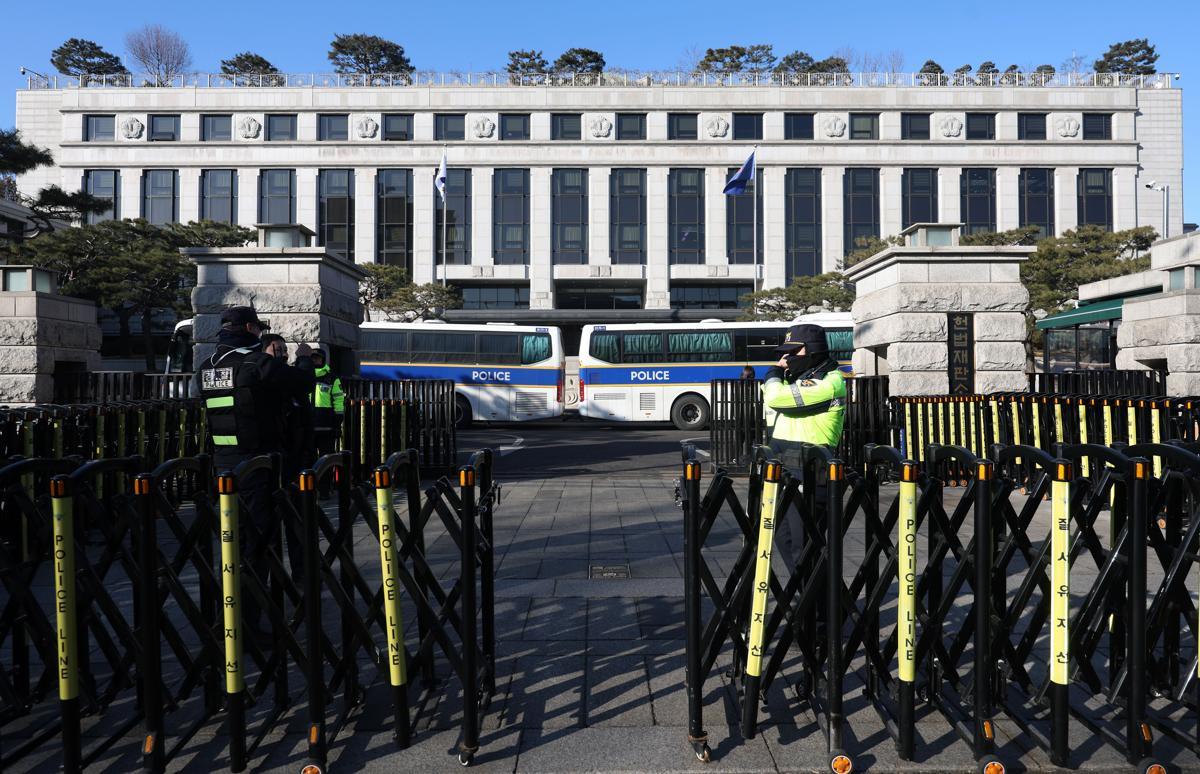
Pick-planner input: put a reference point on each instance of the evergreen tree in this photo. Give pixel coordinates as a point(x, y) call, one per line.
point(77, 56)
point(580, 60)
point(362, 54)
point(1130, 57)
point(526, 62)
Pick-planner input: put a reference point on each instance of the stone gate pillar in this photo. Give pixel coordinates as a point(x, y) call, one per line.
point(937, 317)
point(42, 335)
point(306, 293)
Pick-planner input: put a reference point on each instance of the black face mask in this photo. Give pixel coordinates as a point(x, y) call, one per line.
point(798, 364)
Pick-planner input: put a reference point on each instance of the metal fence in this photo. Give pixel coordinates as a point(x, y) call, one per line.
point(1106, 382)
point(105, 386)
point(128, 607)
point(1018, 616)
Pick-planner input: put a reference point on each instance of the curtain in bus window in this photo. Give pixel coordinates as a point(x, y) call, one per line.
point(535, 348)
point(605, 347)
point(699, 347)
point(499, 348)
point(385, 345)
point(643, 348)
point(443, 347)
point(841, 344)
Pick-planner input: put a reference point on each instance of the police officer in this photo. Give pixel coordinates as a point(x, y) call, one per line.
point(807, 393)
point(247, 393)
point(300, 450)
point(328, 404)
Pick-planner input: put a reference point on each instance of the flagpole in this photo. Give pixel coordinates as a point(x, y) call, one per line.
point(445, 254)
point(754, 255)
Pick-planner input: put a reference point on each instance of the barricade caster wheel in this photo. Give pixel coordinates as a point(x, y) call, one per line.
point(312, 768)
point(1150, 766)
point(703, 752)
point(465, 758)
point(840, 763)
point(990, 764)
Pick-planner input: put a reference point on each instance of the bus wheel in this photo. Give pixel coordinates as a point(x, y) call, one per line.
point(690, 412)
point(462, 411)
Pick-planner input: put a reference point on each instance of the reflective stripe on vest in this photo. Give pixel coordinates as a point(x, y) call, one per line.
point(224, 440)
point(222, 402)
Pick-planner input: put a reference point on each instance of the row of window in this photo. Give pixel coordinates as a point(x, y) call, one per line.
point(568, 296)
point(627, 210)
point(335, 127)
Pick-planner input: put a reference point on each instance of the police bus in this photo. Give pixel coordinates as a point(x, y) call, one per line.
point(502, 372)
point(657, 372)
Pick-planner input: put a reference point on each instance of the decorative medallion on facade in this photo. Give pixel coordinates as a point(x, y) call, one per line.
point(601, 127)
point(717, 127)
point(484, 127)
point(249, 128)
point(1067, 127)
point(950, 126)
point(834, 126)
point(132, 128)
point(367, 127)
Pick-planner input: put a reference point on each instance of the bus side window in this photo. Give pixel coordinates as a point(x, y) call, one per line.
point(606, 347)
point(760, 346)
point(699, 347)
point(535, 347)
point(449, 347)
point(499, 348)
point(642, 348)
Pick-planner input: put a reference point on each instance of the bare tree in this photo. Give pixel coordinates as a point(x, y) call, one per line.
point(689, 59)
point(1074, 63)
point(162, 53)
point(893, 61)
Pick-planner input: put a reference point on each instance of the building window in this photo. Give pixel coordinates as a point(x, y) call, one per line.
point(682, 126)
point(160, 196)
point(569, 215)
point(747, 126)
point(216, 128)
point(164, 128)
point(978, 188)
point(514, 126)
point(397, 126)
point(860, 194)
point(457, 212)
point(1095, 198)
point(708, 296)
point(797, 126)
point(1097, 126)
point(686, 216)
point(918, 197)
point(1031, 126)
point(218, 195)
point(571, 297)
point(566, 126)
point(281, 127)
point(450, 126)
point(981, 126)
point(394, 218)
point(914, 126)
point(510, 216)
point(864, 126)
point(802, 223)
point(1036, 203)
point(631, 126)
point(495, 297)
point(99, 128)
point(103, 184)
point(739, 221)
point(627, 215)
point(335, 211)
point(333, 128)
point(277, 196)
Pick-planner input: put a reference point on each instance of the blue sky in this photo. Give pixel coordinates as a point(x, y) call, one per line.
point(637, 35)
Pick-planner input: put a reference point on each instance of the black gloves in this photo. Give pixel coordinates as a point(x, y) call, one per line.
point(774, 372)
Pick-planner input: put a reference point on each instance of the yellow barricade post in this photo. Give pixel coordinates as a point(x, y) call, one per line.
point(758, 606)
point(389, 561)
point(906, 612)
point(1060, 609)
point(231, 590)
point(62, 507)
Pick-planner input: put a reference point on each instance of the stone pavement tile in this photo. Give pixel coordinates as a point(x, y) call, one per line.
point(658, 748)
point(617, 692)
point(612, 619)
point(665, 566)
point(647, 543)
point(435, 752)
point(668, 692)
point(661, 618)
point(619, 588)
point(546, 692)
point(524, 588)
point(561, 568)
point(518, 566)
point(574, 543)
point(511, 613)
point(557, 618)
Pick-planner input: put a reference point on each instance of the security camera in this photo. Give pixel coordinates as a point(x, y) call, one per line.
point(1151, 184)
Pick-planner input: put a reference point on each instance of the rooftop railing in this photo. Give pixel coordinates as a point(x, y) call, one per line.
point(616, 78)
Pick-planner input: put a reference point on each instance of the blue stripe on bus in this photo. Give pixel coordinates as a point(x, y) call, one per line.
point(463, 374)
point(666, 374)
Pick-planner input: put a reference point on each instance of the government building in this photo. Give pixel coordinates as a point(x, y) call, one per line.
point(572, 202)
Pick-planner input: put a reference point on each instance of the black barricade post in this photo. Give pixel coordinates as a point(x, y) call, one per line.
point(154, 747)
point(487, 581)
point(694, 681)
point(66, 645)
point(231, 558)
point(389, 561)
point(839, 761)
point(1137, 731)
point(470, 677)
point(314, 631)
point(984, 668)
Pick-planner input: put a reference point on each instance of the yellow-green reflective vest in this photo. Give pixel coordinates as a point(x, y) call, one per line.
point(807, 410)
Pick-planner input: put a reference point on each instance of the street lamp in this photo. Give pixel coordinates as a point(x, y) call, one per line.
point(1165, 189)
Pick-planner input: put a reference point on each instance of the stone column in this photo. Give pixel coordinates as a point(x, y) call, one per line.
point(42, 334)
point(599, 246)
point(716, 247)
point(832, 225)
point(364, 215)
point(541, 270)
point(306, 294)
point(904, 297)
point(425, 253)
point(1066, 198)
point(247, 197)
point(658, 270)
point(773, 235)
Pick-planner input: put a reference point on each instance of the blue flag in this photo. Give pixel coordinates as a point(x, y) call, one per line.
point(737, 184)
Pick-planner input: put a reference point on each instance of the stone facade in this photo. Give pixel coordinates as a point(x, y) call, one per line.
point(1146, 143)
point(904, 295)
point(41, 334)
point(306, 294)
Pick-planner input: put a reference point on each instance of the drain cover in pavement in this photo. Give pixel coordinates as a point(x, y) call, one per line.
point(609, 571)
